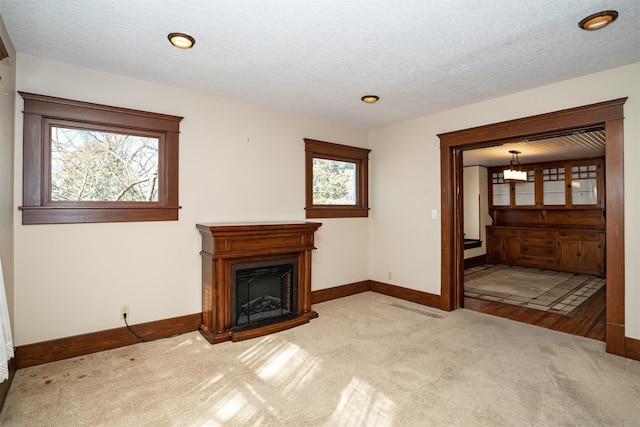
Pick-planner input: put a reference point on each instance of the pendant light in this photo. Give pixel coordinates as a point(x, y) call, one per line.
point(514, 173)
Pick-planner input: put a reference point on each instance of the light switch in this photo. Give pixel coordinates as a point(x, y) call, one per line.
point(434, 214)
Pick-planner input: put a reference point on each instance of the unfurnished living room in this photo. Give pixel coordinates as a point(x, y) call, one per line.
point(331, 213)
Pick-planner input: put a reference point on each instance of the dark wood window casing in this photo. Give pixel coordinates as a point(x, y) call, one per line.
point(344, 153)
point(41, 112)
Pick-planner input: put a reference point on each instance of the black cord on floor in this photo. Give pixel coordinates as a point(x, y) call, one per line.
point(124, 315)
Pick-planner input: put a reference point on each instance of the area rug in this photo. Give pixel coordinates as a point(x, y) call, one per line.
point(551, 291)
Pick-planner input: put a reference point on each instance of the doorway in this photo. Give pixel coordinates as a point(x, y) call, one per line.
point(608, 114)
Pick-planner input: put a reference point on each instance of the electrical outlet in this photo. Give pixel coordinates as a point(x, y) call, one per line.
point(124, 310)
point(389, 275)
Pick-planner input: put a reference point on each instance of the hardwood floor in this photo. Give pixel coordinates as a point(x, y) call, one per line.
point(590, 322)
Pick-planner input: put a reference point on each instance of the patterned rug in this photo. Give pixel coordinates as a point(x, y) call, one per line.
point(551, 291)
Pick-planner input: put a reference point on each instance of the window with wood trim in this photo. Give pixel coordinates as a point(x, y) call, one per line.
point(337, 180)
point(86, 163)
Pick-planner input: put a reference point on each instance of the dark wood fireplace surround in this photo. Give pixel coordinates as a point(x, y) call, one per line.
point(224, 245)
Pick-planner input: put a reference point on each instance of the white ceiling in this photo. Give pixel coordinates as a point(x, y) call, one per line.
point(319, 57)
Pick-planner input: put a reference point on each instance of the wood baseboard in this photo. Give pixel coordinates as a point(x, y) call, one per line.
point(475, 261)
point(406, 294)
point(80, 345)
point(336, 292)
point(632, 348)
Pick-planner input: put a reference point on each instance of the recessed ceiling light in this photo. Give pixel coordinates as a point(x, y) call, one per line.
point(370, 99)
point(598, 20)
point(181, 40)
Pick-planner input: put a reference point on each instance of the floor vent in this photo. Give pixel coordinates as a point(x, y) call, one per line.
point(420, 311)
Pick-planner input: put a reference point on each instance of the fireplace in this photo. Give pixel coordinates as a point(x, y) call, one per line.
point(263, 292)
point(256, 278)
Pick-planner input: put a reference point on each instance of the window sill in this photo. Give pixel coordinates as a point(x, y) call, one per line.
point(75, 215)
point(336, 212)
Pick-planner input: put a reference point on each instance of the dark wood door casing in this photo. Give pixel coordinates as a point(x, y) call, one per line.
point(611, 115)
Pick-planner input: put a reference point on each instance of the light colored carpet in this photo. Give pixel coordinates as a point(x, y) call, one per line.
point(363, 362)
point(547, 290)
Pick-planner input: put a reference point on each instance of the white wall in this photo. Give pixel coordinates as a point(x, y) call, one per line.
point(7, 112)
point(238, 162)
point(406, 183)
point(476, 208)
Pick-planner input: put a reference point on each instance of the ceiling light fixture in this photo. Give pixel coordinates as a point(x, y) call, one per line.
point(514, 173)
point(370, 99)
point(181, 40)
point(598, 20)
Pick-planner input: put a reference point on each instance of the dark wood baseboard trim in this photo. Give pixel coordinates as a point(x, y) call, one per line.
point(406, 294)
point(336, 292)
point(80, 345)
point(632, 348)
point(615, 339)
point(475, 261)
point(4, 386)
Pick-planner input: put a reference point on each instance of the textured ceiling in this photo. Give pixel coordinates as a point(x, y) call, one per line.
point(319, 57)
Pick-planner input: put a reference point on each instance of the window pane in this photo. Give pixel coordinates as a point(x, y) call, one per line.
point(553, 193)
point(96, 166)
point(334, 182)
point(501, 196)
point(525, 194)
point(584, 192)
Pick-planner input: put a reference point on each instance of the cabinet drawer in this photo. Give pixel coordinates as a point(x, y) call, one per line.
point(585, 236)
point(499, 231)
point(547, 243)
point(539, 234)
point(541, 251)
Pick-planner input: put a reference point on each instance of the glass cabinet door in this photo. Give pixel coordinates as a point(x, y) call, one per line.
point(553, 187)
point(526, 190)
point(500, 190)
point(584, 185)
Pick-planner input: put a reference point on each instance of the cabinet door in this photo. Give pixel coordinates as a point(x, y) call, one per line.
point(569, 250)
point(553, 186)
point(525, 192)
point(592, 257)
point(500, 190)
point(586, 187)
point(503, 245)
point(582, 252)
point(511, 249)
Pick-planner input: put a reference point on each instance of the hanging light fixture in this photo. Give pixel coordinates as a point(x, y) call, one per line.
point(514, 173)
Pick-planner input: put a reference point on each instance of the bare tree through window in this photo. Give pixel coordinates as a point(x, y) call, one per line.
point(98, 166)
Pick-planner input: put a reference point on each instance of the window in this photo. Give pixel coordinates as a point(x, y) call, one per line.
point(95, 163)
point(337, 180)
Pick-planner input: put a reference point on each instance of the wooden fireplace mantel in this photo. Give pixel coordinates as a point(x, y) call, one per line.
point(223, 245)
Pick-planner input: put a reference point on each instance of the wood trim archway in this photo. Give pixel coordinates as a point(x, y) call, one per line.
point(609, 114)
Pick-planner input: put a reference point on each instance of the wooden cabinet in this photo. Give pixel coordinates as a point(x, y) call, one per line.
point(538, 248)
point(504, 245)
point(574, 251)
point(551, 185)
point(581, 251)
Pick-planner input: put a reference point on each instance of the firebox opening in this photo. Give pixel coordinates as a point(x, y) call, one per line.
point(263, 292)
